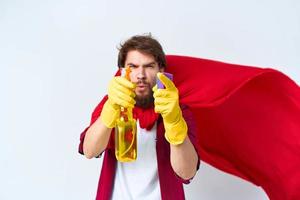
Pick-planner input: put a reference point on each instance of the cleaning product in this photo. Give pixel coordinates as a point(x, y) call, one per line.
point(125, 132)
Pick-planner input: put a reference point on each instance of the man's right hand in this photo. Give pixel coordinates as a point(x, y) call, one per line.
point(120, 93)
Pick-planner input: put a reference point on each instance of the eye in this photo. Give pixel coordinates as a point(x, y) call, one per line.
point(149, 66)
point(132, 66)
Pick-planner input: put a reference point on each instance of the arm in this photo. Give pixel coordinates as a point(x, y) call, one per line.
point(96, 139)
point(183, 156)
point(184, 159)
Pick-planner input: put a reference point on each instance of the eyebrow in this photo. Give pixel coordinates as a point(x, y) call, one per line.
point(147, 64)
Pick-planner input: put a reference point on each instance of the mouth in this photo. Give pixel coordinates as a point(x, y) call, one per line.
point(141, 87)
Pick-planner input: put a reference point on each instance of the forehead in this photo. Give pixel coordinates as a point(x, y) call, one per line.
point(137, 57)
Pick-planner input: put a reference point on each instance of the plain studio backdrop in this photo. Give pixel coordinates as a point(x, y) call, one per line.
point(56, 60)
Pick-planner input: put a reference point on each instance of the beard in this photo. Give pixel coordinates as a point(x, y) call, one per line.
point(145, 101)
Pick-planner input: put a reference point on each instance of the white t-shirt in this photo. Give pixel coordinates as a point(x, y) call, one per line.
point(139, 179)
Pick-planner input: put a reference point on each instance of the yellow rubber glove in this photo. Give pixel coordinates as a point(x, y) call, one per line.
point(166, 102)
point(120, 93)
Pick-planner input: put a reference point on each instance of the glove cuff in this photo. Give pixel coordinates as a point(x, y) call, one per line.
point(176, 133)
point(109, 114)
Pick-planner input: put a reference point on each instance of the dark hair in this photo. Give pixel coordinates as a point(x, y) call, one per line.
point(145, 44)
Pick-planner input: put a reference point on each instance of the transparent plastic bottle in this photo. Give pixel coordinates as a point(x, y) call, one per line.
point(125, 133)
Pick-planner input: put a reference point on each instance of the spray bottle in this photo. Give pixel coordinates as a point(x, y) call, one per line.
point(125, 132)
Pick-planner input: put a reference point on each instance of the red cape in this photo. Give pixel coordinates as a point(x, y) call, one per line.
point(248, 121)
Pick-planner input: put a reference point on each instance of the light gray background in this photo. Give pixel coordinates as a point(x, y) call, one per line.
point(57, 56)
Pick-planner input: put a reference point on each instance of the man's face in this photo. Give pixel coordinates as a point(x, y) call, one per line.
point(143, 73)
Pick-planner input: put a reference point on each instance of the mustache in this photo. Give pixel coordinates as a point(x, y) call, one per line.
point(141, 82)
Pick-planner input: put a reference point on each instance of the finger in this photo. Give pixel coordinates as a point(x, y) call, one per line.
point(121, 102)
point(161, 93)
point(165, 80)
point(123, 89)
point(124, 82)
point(124, 96)
point(160, 109)
point(161, 101)
point(154, 88)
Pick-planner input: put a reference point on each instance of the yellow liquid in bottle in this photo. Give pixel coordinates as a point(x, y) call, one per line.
point(125, 133)
point(125, 137)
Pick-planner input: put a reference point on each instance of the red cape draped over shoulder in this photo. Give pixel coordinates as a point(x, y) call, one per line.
point(248, 121)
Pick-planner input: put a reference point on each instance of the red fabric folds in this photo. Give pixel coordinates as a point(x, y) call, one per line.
point(248, 121)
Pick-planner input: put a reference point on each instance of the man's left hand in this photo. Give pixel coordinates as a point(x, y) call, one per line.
point(166, 102)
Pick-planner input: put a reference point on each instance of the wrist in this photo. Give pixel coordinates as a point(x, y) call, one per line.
point(176, 133)
point(109, 114)
point(173, 118)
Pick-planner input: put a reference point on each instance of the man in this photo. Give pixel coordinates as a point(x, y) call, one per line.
point(166, 132)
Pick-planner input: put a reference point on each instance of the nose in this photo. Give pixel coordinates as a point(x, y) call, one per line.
point(141, 73)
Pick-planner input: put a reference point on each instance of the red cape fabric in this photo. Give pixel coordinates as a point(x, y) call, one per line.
point(248, 121)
